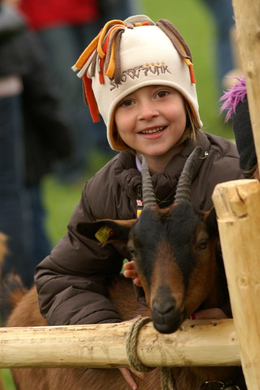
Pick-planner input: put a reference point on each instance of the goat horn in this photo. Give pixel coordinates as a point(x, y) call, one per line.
point(183, 188)
point(147, 186)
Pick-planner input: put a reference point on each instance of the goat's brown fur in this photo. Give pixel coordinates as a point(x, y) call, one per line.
point(3, 251)
point(26, 313)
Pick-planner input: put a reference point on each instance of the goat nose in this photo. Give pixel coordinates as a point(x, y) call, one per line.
point(163, 306)
point(166, 316)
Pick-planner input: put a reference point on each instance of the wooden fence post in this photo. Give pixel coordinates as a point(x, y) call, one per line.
point(237, 205)
point(238, 208)
point(247, 19)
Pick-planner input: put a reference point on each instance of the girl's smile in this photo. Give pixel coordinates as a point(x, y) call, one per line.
point(153, 131)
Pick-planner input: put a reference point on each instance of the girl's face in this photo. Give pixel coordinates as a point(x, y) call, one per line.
point(151, 121)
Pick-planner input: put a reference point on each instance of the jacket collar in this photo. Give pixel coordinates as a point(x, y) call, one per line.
point(165, 183)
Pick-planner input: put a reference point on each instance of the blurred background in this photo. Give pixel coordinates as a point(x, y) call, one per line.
point(196, 22)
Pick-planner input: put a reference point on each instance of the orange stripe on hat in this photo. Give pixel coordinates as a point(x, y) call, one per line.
point(87, 52)
point(112, 64)
point(190, 65)
point(100, 51)
point(93, 108)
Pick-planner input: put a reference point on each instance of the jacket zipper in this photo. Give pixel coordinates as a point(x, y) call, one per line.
point(139, 201)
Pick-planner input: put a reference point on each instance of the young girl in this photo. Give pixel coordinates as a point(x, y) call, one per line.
point(139, 76)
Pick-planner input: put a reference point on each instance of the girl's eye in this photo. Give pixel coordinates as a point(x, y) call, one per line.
point(126, 103)
point(163, 93)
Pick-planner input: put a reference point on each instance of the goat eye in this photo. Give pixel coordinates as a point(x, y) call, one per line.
point(203, 243)
point(131, 251)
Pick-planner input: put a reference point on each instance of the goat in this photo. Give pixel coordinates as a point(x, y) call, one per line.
point(175, 255)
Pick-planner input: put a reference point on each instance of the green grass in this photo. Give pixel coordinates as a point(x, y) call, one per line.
point(7, 380)
point(195, 24)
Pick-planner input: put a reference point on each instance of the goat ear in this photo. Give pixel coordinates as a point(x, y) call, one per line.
point(212, 223)
point(106, 231)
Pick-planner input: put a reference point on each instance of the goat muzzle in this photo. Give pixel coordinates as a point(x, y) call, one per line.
point(166, 317)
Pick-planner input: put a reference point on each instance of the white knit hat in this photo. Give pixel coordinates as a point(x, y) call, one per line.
point(148, 54)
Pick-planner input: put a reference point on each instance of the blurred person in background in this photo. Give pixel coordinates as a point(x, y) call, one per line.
point(33, 136)
point(223, 16)
point(63, 28)
point(118, 9)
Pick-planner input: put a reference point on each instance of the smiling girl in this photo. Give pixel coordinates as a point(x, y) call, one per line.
point(139, 76)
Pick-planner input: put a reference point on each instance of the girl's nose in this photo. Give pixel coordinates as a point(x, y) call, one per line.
point(147, 110)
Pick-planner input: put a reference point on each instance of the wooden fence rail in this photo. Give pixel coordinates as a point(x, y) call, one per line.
point(197, 343)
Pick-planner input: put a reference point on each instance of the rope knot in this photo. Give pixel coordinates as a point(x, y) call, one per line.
point(135, 363)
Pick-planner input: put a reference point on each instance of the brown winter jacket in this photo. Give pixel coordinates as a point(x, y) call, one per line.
point(71, 281)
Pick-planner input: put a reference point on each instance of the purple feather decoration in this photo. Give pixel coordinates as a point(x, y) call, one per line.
point(232, 97)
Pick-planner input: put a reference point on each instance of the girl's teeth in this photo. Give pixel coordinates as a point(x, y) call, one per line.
point(152, 131)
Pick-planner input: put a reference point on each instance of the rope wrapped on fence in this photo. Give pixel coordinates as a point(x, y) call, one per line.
point(167, 382)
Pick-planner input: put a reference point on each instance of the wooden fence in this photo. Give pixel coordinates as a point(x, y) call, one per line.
point(238, 208)
point(197, 342)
